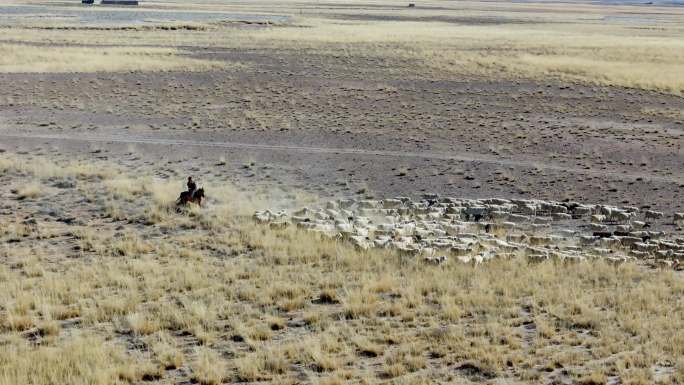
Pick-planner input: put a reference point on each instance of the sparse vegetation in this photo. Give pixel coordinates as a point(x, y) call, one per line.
point(235, 302)
point(523, 44)
point(104, 282)
point(15, 58)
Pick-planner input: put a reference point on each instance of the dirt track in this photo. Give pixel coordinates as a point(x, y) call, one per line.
point(336, 151)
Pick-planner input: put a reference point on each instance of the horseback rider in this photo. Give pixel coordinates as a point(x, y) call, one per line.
point(192, 187)
point(193, 195)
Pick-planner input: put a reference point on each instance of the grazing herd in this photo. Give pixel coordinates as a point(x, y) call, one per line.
point(439, 229)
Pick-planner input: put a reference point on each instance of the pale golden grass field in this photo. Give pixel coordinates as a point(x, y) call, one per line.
point(16, 58)
point(134, 292)
point(568, 42)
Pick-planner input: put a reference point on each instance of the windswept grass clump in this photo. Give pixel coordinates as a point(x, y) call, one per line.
point(31, 190)
point(209, 368)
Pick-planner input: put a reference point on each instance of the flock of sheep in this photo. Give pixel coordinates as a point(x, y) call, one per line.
point(438, 229)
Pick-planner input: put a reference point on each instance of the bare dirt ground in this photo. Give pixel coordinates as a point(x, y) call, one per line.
point(472, 138)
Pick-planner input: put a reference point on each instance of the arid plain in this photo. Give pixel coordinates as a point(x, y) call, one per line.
point(104, 111)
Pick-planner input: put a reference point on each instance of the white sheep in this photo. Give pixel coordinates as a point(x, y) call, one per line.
point(598, 227)
point(598, 218)
point(638, 224)
point(651, 214)
point(438, 260)
point(621, 216)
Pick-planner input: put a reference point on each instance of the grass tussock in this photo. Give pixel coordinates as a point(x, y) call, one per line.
point(208, 368)
point(30, 191)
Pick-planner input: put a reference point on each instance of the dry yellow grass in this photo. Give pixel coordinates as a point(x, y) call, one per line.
point(603, 55)
point(567, 42)
point(79, 360)
point(19, 58)
point(227, 300)
point(31, 190)
point(208, 368)
point(46, 169)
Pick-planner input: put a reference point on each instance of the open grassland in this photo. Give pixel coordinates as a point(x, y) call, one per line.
point(103, 282)
point(602, 55)
point(625, 46)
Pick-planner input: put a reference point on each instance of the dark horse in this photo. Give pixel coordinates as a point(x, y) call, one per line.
point(185, 197)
